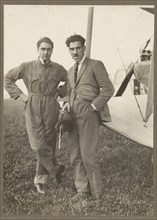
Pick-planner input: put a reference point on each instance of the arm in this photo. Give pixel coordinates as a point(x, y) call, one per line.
point(66, 99)
point(63, 74)
point(62, 89)
point(104, 83)
point(10, 83)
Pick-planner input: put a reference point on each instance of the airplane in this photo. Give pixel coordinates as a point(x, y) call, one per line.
point(132, 115)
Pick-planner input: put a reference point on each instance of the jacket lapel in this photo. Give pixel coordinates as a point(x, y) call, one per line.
point(82, 69)
point(73, 73)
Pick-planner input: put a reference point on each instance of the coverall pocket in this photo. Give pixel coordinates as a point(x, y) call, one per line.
point(33, 82)
point(33, 77)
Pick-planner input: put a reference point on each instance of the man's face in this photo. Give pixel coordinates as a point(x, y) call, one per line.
point(45, 50)
point(76, 50)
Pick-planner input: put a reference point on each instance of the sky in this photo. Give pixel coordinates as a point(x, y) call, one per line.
point(118, 33)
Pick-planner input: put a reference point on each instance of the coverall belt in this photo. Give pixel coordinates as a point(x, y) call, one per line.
point(41, 94)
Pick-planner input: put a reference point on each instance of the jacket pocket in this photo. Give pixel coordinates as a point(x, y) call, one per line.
point(104, 114)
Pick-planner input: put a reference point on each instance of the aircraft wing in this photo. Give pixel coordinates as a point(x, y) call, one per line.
point(126, 119)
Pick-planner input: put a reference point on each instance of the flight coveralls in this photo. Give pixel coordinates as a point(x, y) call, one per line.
point(41, 109)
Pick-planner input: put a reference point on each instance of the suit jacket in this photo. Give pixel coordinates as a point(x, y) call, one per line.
point(93, 84)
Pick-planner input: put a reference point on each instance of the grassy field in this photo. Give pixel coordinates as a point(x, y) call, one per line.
point(126, 168)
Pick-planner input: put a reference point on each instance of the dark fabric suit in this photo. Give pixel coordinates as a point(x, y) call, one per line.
point(93, 86)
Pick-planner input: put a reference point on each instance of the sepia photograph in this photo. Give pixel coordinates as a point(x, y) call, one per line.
point(62, 65)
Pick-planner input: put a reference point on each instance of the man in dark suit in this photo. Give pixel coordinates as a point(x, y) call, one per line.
point(87, 94)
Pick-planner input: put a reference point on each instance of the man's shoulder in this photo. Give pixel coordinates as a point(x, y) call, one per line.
point(27, 63)
point(57, 65)
point(54, 63)
point(90, 61)
point(93, 60)
point(71, 68)
point(96, 64)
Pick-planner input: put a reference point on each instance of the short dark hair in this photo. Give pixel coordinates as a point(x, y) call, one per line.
point(45, 40)
point(74, 38)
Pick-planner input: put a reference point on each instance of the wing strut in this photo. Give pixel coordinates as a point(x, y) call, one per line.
point(89, 31)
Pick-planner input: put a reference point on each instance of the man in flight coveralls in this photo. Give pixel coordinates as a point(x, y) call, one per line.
point(41, 77)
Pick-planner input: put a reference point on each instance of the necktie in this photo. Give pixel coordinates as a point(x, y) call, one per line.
point(76, 71)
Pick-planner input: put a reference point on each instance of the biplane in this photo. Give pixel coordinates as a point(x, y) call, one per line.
point(132, 115)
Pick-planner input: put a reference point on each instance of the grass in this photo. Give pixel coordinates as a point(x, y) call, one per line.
point(126, 168)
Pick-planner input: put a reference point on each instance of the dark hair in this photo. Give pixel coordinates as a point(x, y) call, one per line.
point(45, 40)
point(74, 38)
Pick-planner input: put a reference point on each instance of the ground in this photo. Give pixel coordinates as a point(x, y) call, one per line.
point(126, 167)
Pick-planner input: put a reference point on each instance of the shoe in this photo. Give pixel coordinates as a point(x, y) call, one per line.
point(40, 188)
point(58, 174)
point(79, 197)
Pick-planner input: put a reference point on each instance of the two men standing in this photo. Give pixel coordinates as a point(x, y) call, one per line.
point(88, 91)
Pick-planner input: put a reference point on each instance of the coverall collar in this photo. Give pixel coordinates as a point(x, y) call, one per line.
point(40, 61)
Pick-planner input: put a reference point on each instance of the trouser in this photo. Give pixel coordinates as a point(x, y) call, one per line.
point(41, 115)
point(46, 162)
point(83, 141)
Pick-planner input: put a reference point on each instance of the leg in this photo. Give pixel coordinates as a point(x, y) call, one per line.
point(50, 118)
point(42, 136)
point(41, 173)
point(88, 125)
point(80, 175)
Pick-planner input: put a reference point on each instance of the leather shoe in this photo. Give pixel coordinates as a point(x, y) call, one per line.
point(40, 188)
point(58, 174)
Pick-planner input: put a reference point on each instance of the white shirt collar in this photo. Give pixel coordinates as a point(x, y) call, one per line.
point(41, 60)
point(80, 63)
